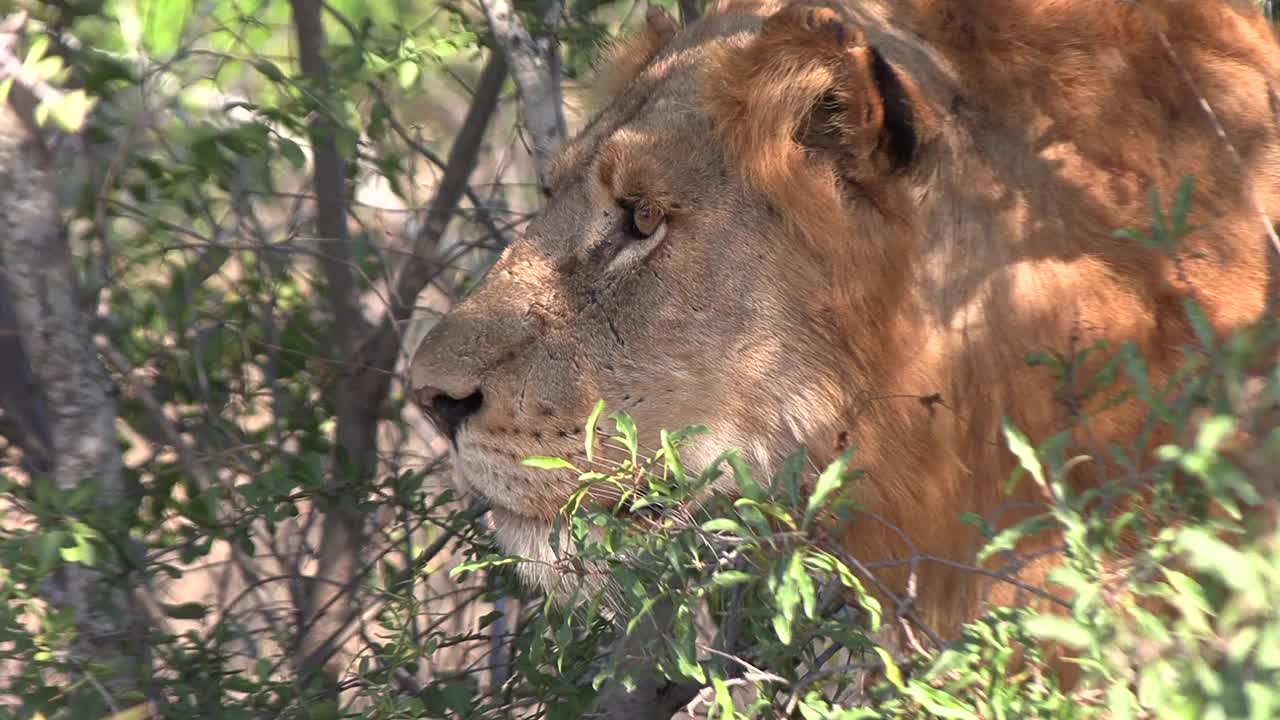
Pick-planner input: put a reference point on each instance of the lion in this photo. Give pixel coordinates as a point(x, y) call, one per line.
point(813, 224)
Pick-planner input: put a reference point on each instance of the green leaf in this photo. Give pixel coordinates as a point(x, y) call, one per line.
point(291, 152)
point(684, 643)
point(71, 110)
point(269, 69)
point(48, 550)
point(628, 436)
point(1136, 366)
point(1209, 554)
point(146, 710)
point(1189, 597)
point(543, 462)
point(724, 525)
point(39, 46)
point(353, 11)
point(408, 73)
point(742, 476)
point(1200, 323)
point(789, 476)
point(1182, 202)
point(1064, 630)
point(976, 520)
point(81, 552)
point(1159, 228)
point(1134, 235)
point(774, 510)
point(163, 23)
point(828, 482)
point(729, 578)
point(786, 594)
point(891, 671)
point(1009, 538)
point(1121, 703)
point(1022, 449)
point(939, 702)
point(782, 626)
point(670, 457)
point(804, 585)
point(491, 561)
point(1213, 431)
point(724, 700)
point(592, 420)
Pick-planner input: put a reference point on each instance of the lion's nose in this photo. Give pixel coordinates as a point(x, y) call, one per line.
point(446, 411)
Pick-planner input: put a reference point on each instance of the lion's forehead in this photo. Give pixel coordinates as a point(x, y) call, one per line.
point(662, 103)
point(668, 114)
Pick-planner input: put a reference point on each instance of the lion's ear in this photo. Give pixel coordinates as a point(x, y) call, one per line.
point(811, 80)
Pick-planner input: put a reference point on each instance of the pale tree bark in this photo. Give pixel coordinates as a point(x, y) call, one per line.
point(535, 67)
point(79, 415)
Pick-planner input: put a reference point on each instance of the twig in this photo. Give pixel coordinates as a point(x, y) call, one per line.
point(198, 475)
point(755, 671)
point(453, 184)
point(482, 214)
point(331, 643)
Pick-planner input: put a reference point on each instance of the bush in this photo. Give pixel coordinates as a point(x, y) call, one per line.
point(1198, 541)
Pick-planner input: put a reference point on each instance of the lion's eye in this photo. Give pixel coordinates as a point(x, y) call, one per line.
point(645, 220)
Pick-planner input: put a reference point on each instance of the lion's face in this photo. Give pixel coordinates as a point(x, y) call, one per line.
point(654, 279)
point(831, 220)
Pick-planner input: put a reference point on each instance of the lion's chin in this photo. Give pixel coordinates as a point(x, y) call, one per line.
point(529, 539)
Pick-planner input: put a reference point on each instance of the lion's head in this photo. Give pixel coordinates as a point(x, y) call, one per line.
point(800, 224)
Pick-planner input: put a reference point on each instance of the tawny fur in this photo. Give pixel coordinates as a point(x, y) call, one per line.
point(817, 282)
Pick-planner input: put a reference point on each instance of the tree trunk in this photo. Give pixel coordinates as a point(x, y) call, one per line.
point(73, 387)
point(330, 601)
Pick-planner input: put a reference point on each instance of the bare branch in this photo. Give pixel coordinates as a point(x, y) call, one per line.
point(343, 537)
point(329, 180)
point(535, 68)
point(483, 216)
point(399, 584)
point(418, 269)
point(196, 471)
